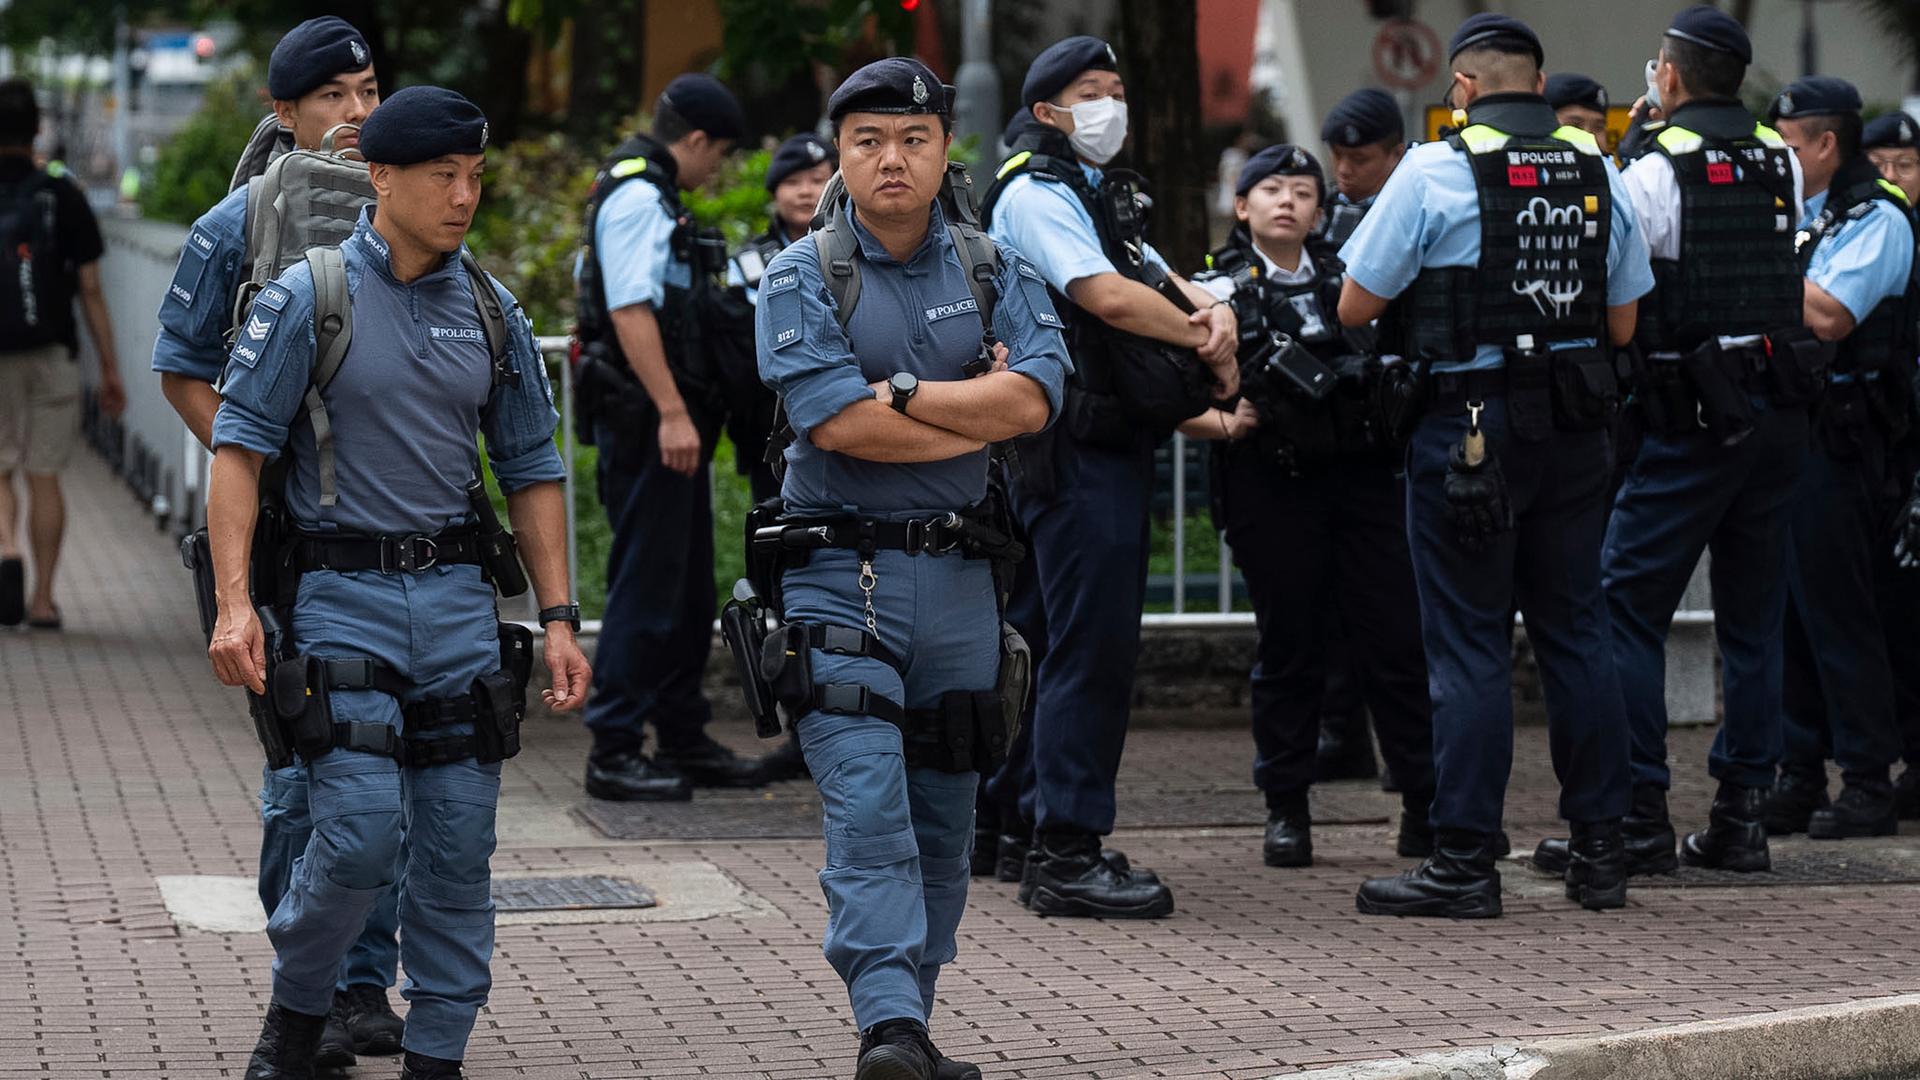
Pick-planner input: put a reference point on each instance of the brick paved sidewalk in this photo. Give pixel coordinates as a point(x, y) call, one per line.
point(125, 762)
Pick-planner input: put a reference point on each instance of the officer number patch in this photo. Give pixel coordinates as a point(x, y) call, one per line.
point(783, 309)
point(1034, 288)
point(193, 264)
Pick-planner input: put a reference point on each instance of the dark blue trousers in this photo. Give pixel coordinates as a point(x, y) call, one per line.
point(1077, 601)
point(1552, 560)
point(658, 626)
point(1333, 543)
point(1683, 495)
point(1839, 687)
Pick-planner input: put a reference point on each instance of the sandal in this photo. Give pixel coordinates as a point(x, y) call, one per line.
point(49, 622)
point(13, 592)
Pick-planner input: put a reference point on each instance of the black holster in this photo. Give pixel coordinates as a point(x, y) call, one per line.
point(197, 554)
point(1719, 379)
point(743, 626)
point(1586, 389)
point(966, 732)
point(276, 739)
point(786, 666)
point(1797, 364)
point(298, 687)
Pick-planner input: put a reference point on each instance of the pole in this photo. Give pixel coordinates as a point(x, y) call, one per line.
point(976, 105)
point(1809, 42)
point(122, 96)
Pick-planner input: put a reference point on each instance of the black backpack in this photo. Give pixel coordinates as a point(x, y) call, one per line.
point(34, 290)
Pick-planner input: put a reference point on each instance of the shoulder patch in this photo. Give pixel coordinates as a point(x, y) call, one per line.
point(781, 280)
point(1034, 289)
point(201, 242)
point(272, 297)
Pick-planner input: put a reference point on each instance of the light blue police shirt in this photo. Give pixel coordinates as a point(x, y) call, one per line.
point(632, 235)
point(917, 316)
point(1428, 215)
point(1861, 261)
point(198, 307)
point(410, 396)
point(1046, 218)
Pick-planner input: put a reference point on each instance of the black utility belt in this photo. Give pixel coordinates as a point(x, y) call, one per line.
point(1572, 389)
point(919, 536)
point(388, 554)
point(1711, 388)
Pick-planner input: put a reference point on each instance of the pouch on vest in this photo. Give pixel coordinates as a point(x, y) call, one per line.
point(1797, 364)
point(1718, 380)
point(1529, 393)
point(786, 662)
point(1586, 389)
point(299, 691)
point(497, 712)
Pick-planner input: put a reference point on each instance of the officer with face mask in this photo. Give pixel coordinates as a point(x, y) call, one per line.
point(1081, 491)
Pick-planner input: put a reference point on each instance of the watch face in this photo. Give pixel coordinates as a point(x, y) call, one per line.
point(905, 382)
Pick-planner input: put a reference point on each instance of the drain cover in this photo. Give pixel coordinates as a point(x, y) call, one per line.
point(569, 894)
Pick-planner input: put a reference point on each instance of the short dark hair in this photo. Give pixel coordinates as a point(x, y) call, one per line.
point(1505, 63)
point(19, 113)
point(668, 125)
point(1845, 126)
point(1706, 73)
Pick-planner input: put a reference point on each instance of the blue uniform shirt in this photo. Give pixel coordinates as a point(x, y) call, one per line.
point(1861, 261)
point(198, 307)
point(918, 316)
point(1046, 218)
point(414, 389)
point(632, 236)
point(1428, 215)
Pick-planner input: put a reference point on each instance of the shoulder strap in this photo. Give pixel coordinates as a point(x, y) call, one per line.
point(838, 250)
point(493, 319)
point(332, 333)
point(268, 140)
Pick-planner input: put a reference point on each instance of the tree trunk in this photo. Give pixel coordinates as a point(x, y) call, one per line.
point(501, 89)
point(1160, 62)
point(609, 50)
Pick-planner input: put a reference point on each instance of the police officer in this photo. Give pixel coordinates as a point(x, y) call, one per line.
point(656, 405)
point(1725, 436)
point(1507, 476)
point(319, 75)
point(1892, 143)
point(1081, 491)
point(1579, 102)
point(391, 605)
point(1857, 248)
point(889, 439)
point(1313, 506)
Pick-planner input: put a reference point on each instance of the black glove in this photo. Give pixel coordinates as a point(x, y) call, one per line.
point(1476, 499)
point(1906, 537)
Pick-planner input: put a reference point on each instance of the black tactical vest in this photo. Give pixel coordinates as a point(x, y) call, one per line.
point(1885, 339)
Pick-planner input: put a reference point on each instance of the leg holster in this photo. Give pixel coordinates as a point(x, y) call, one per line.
point(966, 732)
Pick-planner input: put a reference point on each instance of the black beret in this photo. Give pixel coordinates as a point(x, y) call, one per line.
point(707, 105)
point(421, 123)
point(898, 84)
point(1362, 117)
point(802, 151)
point(311, 54)
point(1711, 28)
point(1281, 159)
point(1815, 95)
point(1061, 63)
point(1499, 31)
point(1890, 130)
point(1568, 88)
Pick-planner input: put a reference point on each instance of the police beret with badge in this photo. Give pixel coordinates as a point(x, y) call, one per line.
point(1570, 88)
point(1281, 159)
point(313, 53)
point(1491, 31)
point(799, 153)
point(898, 85)
point(1814, 95)
point(1890, 131)
point(1711, 28)
point(1060, 63)
point(1364, 117)
point(421, 123)
point(706, 104)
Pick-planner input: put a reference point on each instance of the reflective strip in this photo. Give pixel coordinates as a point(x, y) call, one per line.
point(1678, 140)
point(632, 166)
point(1893, 189)
point(1013, 163)
point(1582, 141)
point(1769, 136)
point(1480, 139)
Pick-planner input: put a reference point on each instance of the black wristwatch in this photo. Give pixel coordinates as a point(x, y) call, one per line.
point(566, 613)
point(904, 385)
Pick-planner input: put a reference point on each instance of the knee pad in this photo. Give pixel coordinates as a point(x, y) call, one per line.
point(431, 900)
point(359, 851)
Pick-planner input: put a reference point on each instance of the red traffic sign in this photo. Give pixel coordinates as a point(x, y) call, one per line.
point(1406, 54)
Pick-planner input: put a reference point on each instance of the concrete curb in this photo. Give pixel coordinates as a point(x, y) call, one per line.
point(1879, 1038)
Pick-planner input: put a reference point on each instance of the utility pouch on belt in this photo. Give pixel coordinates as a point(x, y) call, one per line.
point(786, 662)
point(1016, 678)
point(1529, 393)
point(743, 625)
point(1718, 381)
point(298, 687)
point(197, 554)
point(497, 712)
point(1797, 365)
point(516, 657)
point(1586, 389)
point(966, 732)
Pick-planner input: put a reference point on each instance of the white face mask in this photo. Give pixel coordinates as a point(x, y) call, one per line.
point(1099, 128)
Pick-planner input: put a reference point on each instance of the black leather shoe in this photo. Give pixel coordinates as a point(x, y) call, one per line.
point(1073, 877)
point(1011, 865)
point(1289, 838)
point(1550, 856)
point(1345, 750)
point(897, 1050)
point(1791, 801)
point(1864, 808)
point(1735, 837)
point(630, 776)
point(1458, 881)
point(336, 1044)
point(706, 763)
point(422, 1067)
point(784, 763)
point(288, 1042)
point(1906, 794)
point(371, 1021)
point(1597, 866)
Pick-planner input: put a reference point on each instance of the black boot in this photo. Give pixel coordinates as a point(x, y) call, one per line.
point(1072, 876)
point(1792, 800)
point(371, 1021)
point(896, 1050)
point(706, 763)
point(986, 850)
point(1458, 881)
point(1597, 865)
point(1906, 794)
point(422, 1067)
point(1735, 837)
point(945, 1068)
point(1345, 750)
point(1416, 838)
point(630, 776)
point(1864, 808)
point(336, 1044)
point(288, 1042)
point(1550, 856)
point(1289, 838)
point(1014, 846)
point(1647, 832)
point(784, 763)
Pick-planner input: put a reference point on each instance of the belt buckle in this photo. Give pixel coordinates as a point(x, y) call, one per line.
point(406, 555)
point(918, 536)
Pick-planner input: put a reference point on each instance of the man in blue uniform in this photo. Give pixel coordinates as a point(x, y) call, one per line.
point(320, 75)
point(1508, 461)
point(402, 703)
point(1857, 248)
point(653, 403)
point(1081, 490)
point(1728, 373)
point(1580, 102)
point(879, 574)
